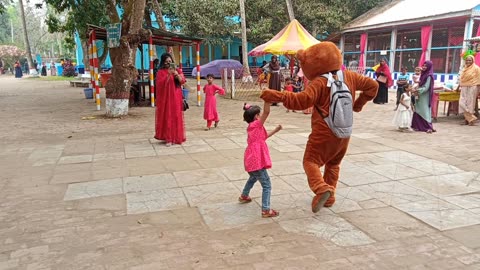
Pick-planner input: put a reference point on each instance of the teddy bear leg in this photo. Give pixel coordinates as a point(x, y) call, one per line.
point(317, 184)
point(332, 172)
point(331, 178)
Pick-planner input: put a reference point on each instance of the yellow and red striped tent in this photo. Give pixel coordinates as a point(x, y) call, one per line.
point(292, 38)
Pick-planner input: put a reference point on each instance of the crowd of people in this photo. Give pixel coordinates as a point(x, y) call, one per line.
point(414, 101)
point(20, 70)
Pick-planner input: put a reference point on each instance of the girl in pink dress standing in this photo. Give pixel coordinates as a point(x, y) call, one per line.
point(257, 157)
point(210, 111)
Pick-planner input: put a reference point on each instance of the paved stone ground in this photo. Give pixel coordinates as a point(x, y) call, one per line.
point(78, 191)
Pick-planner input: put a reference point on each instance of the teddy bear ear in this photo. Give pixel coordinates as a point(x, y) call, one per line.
point(301, 55)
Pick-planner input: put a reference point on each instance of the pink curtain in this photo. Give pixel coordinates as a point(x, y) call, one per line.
point(426, 30)
point(363, 44)
point(477, 56)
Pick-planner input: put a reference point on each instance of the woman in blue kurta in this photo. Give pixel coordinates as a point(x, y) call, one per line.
point(422, 117)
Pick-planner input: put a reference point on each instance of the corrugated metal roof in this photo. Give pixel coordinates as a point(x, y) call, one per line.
point(407, 11)
point(159, 37)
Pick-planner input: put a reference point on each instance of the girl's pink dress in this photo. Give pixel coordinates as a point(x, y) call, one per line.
point(210, 111)
point(257, 156)
point(289, 88)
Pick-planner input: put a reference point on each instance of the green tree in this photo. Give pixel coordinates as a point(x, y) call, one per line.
point(5, 28)
point(329, 16)
point(3, 4)
point(214, 20)
point(265, 19)
point(70, 16)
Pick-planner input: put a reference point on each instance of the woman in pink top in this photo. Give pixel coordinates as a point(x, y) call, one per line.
point(257, 157)
point(210, 111)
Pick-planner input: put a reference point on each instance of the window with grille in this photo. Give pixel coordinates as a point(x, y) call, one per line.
point(447, 42)
point(352, 43)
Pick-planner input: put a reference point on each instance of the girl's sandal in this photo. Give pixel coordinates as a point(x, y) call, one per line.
point(244, 199)
point(216, 124)
point(270, 213)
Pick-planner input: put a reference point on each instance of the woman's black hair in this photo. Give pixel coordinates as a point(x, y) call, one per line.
point(250, 113)
point(163, 58)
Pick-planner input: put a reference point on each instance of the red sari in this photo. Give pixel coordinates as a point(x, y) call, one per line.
point(169, 125)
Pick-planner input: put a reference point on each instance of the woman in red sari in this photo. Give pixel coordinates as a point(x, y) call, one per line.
point(383, 71)
point(169, 125)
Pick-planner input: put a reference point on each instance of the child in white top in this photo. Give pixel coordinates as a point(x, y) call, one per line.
point(416, 81)
point(403, 116)
point(416, 77)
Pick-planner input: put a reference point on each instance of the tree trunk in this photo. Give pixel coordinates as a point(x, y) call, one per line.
point(246, 68)
point(123, 58)
point(33, 70)
point(291, 15)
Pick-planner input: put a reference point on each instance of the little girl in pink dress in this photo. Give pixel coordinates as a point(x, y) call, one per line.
point(210, 112)
point(257, 157)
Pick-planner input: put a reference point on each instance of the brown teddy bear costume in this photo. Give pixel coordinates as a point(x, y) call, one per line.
point(323, 147)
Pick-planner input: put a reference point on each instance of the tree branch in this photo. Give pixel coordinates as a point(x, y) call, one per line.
point(112, 11)
point(157, 9)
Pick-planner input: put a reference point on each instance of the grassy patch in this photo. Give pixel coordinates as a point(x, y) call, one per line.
point(51, 78)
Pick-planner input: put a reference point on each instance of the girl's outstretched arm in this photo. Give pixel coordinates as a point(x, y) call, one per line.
point(266, 112)
point(277, 129)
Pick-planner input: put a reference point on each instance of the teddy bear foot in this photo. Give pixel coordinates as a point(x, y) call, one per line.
point(319, 200)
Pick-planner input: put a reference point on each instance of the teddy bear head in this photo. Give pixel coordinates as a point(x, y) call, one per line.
point(320, 59)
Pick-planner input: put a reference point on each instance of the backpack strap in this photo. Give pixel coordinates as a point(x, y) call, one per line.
point(329, 77)
point(340, 75)
point(330, 80)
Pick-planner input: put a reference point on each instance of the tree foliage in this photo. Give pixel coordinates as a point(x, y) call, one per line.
point(3, 4)
point(329, 16)
point(5, 28)
point(265, 19)
point(10, 54)
point(217, 20)
point(75, 15)
point(210, 19)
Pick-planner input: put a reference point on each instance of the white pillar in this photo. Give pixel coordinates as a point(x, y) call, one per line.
point(209, 53)
point(342, 43)
point(429, 45)
point(393, 47)
point(233, 84)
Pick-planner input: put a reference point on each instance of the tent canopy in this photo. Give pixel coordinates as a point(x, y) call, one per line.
point(159, 37)
point(289, 40)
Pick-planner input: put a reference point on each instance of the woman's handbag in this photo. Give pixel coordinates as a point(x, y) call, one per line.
point(185, 105)
point(382, 78)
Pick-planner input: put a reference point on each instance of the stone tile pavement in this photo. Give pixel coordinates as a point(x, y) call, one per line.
point(102, 194)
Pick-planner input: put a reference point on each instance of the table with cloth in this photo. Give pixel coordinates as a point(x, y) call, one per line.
point(450, 97)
